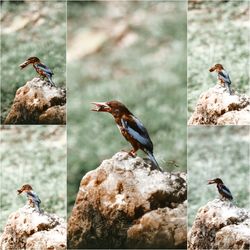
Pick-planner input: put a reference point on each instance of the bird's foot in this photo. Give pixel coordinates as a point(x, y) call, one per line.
point(132, 153)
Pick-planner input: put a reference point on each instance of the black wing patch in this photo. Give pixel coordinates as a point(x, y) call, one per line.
point(225, 190)
point(225, 76)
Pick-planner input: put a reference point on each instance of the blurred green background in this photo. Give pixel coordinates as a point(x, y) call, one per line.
point(221, 152)
point(134, 52)
point(218, 32)
point(34, 155)
point(30, 29)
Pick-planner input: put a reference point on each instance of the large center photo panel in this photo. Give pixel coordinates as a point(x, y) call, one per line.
point(126, 75)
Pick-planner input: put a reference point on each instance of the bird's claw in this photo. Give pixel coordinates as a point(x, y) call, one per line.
point(132, 153)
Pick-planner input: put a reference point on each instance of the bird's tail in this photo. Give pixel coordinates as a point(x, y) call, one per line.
point(37, 205)
point(152, 158)
point(50, 80)
point(228, 88)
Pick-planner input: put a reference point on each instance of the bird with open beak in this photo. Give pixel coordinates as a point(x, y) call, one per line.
point(222, 189)
point(31, 195)
point(40, 68)
point(130, 127)
point(222, 76)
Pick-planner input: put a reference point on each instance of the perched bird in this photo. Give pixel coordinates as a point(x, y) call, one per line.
point(223, 76)
point(32, 196)
point(130, 127)
point(222, 189)
point(40, 68)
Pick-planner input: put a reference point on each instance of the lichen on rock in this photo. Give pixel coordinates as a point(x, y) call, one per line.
point(38, 102)
point(125, 204)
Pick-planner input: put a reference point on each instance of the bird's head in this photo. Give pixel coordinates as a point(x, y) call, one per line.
point(30, 60)
point(24, 188)
point(116, 108)
point(217, 67)
point(215, 181)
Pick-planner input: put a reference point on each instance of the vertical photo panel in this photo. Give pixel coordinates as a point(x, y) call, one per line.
point(33, 187)
point(127, 59)
point(218, 187)
point(33, 62)
point(218, 62)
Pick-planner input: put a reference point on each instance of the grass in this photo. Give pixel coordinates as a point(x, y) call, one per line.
point(148, 75)
point(218, 32)
point(221, 152)
point(45, 39)
point(34, 155)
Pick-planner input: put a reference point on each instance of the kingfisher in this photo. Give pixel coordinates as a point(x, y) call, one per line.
point(130, 127)
point(31, 195)
point(222, 76)
point(40, 68)
point(222, 189)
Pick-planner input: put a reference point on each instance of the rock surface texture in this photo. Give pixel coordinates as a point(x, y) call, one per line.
point(125, 204)
point(220, 225)
point(37, 102)
point(27, 229)
point(217, 107)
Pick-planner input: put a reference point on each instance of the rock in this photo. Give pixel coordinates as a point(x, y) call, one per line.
point(125, 204)
point(27, 229)
point(220, 225)
point(37, 102)
point(162, 227)
point(217, 107)
point(235, 117)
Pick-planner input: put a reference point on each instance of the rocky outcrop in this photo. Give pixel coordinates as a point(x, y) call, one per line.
point(217, 107)
point(220, 225)
point(37, 102)
point(125, 204)
point(27, 229)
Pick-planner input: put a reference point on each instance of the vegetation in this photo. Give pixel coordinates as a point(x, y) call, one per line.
point(221, 152)
point(218, 32)
point(30, 29)
point(34, 155)
point(144, 67)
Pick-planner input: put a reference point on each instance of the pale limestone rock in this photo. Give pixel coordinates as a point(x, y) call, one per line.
point(122, 201)
point(216, 107)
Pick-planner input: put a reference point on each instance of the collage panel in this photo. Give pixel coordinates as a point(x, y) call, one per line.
point(218, 62)
point(33, 62)
point(162, 170)
point(126, 59)
point(218, 187)
point(33, 187)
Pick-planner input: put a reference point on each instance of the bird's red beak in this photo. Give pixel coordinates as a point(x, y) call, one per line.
point(212, 69)
point(101, 107)
point(19, 191)
point(24, 64)
point(210, 182)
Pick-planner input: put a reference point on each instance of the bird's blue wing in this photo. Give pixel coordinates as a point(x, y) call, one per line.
point(136, 129)
point(44, 68)
point(225, 76)
point(226, 190)
point(34, 197)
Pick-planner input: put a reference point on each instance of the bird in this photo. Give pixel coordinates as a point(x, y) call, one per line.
point(32, 196)
point(223, 76)
point(40, 68)
point(130, 127)
point(222, 189)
